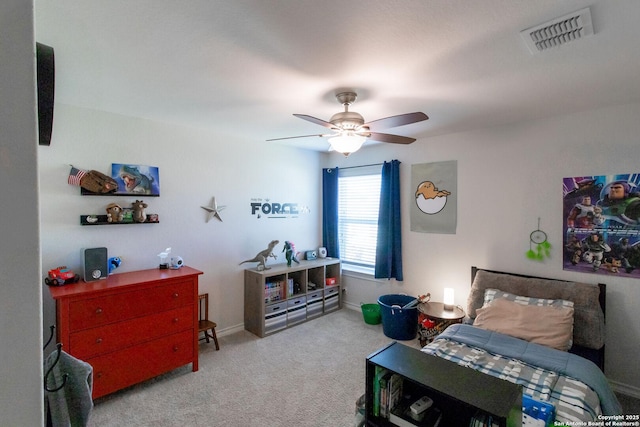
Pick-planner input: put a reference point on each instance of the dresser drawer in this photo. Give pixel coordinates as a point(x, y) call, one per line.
point(89, 313)
point(108, 338)
point(123, 368)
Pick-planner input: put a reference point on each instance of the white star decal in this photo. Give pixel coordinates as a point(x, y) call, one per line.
point(213, 210)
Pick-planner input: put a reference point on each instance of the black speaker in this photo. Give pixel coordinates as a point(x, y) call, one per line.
point(46, 88)
point(95, 264)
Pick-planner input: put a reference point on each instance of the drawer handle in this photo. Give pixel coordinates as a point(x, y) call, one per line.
point(99, 375)
point(176, 320)
point(99, 341)
point(98, 310)
point(175, 349)
point(175, 295)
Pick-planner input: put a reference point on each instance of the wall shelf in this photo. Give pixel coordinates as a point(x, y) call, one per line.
point(102, 220)
point(85, 192)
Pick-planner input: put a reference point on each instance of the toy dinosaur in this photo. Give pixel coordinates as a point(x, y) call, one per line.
point(262, 256)
point(290, 254)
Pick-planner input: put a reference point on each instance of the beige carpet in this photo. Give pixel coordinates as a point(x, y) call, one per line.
point(308, 375)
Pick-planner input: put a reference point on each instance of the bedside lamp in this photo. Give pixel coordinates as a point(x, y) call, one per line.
point(448, 299)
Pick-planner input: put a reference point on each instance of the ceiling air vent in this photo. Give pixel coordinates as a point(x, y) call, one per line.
point(558, 31)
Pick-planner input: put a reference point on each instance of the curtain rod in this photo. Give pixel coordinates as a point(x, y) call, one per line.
point(361, 166)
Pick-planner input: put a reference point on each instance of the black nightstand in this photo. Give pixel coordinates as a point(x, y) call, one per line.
point(441, 319)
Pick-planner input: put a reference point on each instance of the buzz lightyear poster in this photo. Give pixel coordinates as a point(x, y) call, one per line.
point(602, 224)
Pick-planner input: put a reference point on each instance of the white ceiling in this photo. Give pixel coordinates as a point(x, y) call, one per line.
point(243, 67)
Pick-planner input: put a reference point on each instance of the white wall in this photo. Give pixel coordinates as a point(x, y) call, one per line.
point(508, 177)
point(194, 166)
point(20, 307)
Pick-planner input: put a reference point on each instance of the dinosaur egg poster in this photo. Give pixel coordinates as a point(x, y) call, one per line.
point(136, 180)
point(434, 195)
point(601, 224)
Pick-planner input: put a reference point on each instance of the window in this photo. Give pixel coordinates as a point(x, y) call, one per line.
point(358, 204)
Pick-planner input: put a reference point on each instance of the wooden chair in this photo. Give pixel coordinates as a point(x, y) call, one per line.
point(204, 323)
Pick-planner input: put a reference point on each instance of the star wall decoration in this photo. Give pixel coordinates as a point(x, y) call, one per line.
point(213, 210)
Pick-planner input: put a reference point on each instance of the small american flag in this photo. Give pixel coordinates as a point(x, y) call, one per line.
point(75, 175)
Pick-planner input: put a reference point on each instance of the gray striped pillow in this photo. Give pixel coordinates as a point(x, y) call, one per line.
point(491, 294)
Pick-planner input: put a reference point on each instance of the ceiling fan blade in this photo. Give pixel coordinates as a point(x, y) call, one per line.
point(385, 137)
point(394, 121)
point(315, 120)
point(301, 136)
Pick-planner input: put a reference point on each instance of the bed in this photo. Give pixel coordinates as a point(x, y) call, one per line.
point(545, 334)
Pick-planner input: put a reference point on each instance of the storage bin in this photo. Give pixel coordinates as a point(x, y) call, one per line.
point(331, 299)
point(275, 317)
point(296, 310)
point(314, 304)
point(398, 323)
point(371, 313)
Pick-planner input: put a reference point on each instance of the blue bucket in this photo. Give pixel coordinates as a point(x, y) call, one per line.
point(398, 323)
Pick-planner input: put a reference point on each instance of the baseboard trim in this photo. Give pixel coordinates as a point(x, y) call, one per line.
point(230, 330)
point(625, 389)
point(351, 306)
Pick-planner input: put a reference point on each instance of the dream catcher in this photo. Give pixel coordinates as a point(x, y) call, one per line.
point(539, 247)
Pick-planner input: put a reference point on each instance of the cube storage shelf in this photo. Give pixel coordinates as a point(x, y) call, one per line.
point(282, 296)
point(460, 394)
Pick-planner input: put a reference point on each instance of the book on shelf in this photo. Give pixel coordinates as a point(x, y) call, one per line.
point(395, 389)
point(481, 419)
point(377, 376)
point(274, 291)
point(401, 416)
point(384, 394)
point(389, 388)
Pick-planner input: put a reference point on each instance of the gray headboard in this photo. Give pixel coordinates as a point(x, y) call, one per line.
point(589, 304)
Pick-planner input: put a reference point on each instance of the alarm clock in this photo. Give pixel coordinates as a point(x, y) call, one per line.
point(310, 255)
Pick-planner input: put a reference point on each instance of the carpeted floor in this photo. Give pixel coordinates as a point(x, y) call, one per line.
point(308, 375)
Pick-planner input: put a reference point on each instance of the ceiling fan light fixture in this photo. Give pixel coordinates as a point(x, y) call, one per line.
point(347, 143)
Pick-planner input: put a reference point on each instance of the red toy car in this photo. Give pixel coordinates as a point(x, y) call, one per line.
point(61, 276)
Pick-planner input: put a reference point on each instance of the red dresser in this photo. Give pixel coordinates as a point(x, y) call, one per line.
point(130, 326)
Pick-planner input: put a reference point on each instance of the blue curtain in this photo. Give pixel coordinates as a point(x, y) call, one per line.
point(389, 245)
point(330, 212)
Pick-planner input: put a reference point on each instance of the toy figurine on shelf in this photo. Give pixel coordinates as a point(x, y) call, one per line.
point(113, 263)
point(164, 265)
point(262, 256)
point(114, 213)
point(61, 276)
point(290, 252)
point(139, 214)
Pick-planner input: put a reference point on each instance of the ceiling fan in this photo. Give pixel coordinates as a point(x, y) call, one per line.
point(350, 130)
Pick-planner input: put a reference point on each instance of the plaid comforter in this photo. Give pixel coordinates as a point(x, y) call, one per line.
point(573, 400)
